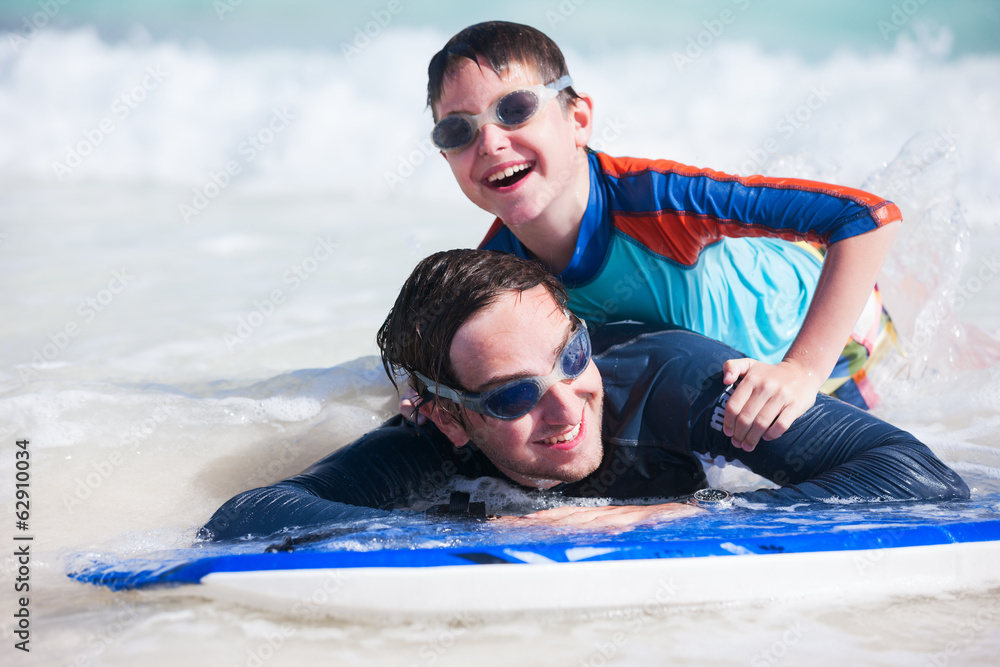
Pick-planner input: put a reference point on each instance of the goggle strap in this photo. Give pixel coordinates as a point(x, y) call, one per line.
point(440, 390)
point(562, 83)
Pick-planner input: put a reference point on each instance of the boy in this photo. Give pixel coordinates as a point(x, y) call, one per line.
point(657, 241)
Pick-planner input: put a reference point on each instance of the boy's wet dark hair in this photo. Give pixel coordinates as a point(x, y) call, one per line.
point(441, 294)
point(499, 44)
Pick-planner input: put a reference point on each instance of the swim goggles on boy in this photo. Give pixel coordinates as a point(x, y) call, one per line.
point(517, 107)
point(512, 400)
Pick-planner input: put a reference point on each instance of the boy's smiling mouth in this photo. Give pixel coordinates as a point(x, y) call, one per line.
point(509, 176)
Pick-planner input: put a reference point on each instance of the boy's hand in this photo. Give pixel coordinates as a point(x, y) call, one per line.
point(408, 408)
point(766, 401)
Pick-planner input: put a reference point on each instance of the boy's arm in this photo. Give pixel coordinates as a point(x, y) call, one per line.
point(770, 397)
point(858, 228)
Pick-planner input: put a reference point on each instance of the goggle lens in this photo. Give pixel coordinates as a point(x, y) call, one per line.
point(514, 401)
point(576, 357)
point(517, 107)
point(452, 132)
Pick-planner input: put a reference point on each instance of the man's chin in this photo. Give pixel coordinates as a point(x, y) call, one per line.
point(544, 477)
point(588, 461)
point(589, 453)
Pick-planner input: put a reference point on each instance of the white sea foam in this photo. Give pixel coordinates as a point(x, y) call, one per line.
point(310, 121)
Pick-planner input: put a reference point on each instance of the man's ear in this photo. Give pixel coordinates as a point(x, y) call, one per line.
point(445, 422)
point(581, 111)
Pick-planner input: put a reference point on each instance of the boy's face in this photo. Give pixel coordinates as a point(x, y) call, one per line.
point(545, 153)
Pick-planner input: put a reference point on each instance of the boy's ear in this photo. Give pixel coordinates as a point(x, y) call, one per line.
point(445, 422)
point(581, 112)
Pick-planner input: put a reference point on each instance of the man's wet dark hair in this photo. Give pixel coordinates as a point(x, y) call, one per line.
point(500, 45)
point(441, 294)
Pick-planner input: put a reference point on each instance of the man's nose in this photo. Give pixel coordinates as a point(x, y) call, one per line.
point(562, 403)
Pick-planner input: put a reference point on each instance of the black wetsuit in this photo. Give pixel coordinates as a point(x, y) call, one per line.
point(664, 400)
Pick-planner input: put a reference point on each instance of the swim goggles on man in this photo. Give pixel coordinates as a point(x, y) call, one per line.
point(517, 107)
point(512, 400)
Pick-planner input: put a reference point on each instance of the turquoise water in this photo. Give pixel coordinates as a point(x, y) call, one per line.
point(810, 29)
point(205, 214)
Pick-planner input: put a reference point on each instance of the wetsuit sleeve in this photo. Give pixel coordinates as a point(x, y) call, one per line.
point(833, 451)
point(836, 451)
point(677, 210)
point(273, 508)
point(387, 468)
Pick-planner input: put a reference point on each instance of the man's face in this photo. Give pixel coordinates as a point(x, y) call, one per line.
point(521, 335)
point(545, 150)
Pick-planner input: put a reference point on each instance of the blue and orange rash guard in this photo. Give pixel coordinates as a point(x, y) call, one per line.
point(662, 242)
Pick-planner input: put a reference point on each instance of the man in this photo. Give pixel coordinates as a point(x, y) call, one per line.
point(516, 388)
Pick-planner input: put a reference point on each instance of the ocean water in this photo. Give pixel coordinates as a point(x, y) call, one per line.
point(206, 209)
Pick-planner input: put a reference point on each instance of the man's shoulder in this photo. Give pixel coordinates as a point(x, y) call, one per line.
point(613, 338)
point(390, 444)
point(635, 357)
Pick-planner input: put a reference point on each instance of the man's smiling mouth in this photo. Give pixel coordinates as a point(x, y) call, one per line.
point(565, 437)
point(509, 176)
